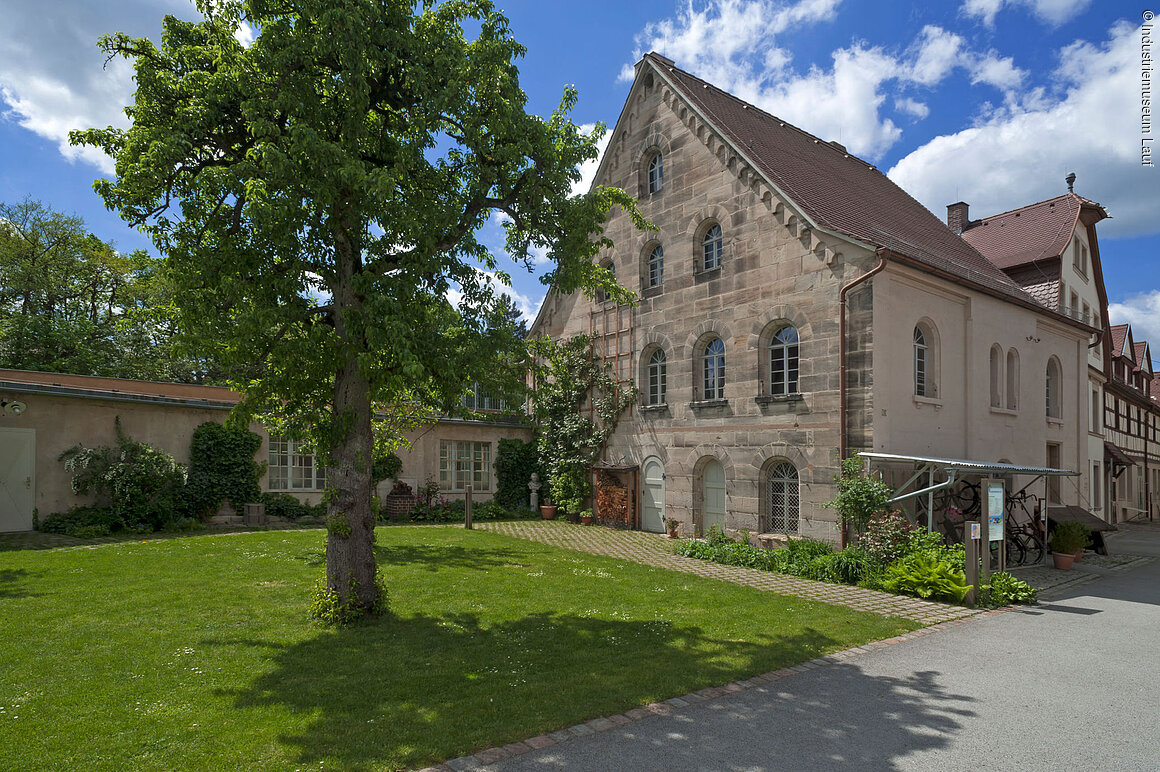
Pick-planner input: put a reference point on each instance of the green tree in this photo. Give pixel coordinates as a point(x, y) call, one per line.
point(859, 497)
point(318, 194)
point(71, 303)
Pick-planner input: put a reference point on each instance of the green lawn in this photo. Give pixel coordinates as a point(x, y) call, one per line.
point(196, 653)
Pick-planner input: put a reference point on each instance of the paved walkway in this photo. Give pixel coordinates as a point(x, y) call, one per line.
point(656, 550)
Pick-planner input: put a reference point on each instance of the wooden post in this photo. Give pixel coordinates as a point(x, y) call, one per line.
point(467, 507)
point(972, 547)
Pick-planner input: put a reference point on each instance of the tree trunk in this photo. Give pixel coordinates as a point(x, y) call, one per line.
point(350, 559)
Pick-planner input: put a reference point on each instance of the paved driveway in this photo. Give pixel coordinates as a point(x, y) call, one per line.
point(1070, 684)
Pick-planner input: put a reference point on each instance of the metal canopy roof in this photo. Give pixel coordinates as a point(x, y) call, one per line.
point(966, 465)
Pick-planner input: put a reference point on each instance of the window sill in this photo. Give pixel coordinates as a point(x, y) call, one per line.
point(652, 292)
point(1003, 411)
point(661, 407)
point(711, 273)
point(773, 399)
point(707, 403)
point(1054, 421)
point(920, 401)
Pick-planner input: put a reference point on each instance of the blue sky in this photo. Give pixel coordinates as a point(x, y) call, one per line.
point(988, 101)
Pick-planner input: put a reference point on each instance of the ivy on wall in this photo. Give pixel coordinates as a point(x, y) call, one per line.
point(515, 461)
point(221, 468)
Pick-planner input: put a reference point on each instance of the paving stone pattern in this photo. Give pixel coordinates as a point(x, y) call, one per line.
point(656, 550)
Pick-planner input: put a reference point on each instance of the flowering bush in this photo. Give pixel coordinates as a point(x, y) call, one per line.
point(887, 536)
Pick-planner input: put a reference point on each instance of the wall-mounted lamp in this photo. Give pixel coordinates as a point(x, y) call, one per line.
point(12, 407)
point(1032, 339)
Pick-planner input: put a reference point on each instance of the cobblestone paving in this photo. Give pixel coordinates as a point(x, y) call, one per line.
point(655, 550)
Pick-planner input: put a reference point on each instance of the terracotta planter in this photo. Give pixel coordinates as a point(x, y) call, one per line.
point(586, 519)
point(675, 533)
point(1078, 555)
point(548, 511)
point(1063, 560)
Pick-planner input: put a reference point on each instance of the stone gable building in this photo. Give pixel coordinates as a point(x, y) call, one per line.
point(797, 306)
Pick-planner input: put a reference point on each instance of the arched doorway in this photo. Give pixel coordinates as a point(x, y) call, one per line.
point(712, 495)
point(652, 510)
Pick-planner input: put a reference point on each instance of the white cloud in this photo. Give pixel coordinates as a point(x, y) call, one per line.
point(734, 45)
point(1021, 151)
point(1142, 312)
point(911, 107)
point(244, 34)
point(528, 306)
point(53, 79)
point(1053, 12)
point(588, 168)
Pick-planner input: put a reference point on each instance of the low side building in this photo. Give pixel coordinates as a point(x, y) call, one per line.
point(44, 414)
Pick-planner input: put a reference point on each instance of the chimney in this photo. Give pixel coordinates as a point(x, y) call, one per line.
point(957, 218)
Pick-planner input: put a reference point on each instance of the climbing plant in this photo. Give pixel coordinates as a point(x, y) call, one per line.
point(570, 379)
point(221, 468)
point(515, 461)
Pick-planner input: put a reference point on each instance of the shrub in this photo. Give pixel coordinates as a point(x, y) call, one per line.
point(139, 483)
point(515, 462)
point(221, 468)
point(887, 536)
point(927, 575)
point(1068, 537)
point(859, 496)
point(82, 522)
point(286, 506)
point(1006, 590)
point(852, 565)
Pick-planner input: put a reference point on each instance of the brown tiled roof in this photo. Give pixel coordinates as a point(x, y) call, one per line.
point(1142, 355)
point(94, 386)
point(1040, 282)
point(1031, 233)
point(836, 190)
point(1119, 334)
point(1154, 389)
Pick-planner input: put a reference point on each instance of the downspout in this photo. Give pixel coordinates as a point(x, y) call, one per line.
point(842, 439)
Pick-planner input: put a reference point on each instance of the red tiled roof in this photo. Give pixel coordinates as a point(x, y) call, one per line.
point(1119, 334)
point(1154, 389)
point(1035, 232)
point(1040, 282)
point(1142, 355)
point(836, 190)
point(94, 385)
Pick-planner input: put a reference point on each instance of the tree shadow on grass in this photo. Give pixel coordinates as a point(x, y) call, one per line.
point(15, 583)
point(438, 557)
point(408, 691)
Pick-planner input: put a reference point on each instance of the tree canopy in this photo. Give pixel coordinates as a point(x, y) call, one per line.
point(71, 303)
point(318, 194)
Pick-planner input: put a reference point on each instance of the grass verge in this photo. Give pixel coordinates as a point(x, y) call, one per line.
point(196, 653)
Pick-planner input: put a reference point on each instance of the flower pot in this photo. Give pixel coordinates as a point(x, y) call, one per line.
point(1063, 560)
point(1079, 555)
point(586, 519)
point(548, 511)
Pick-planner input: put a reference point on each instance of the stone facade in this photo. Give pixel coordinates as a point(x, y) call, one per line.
point(779, 267)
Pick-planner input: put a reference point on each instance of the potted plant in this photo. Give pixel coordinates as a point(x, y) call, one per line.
point(1066, 538)
point(673, 526)
point(548, 511)
point(586, 517)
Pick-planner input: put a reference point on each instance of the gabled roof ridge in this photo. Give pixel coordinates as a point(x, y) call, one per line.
point(751, 106)
point(1025, 207)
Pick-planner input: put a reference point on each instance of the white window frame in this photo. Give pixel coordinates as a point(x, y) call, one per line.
point(657, 377)
point(712, 245)
point(656, 267)
point(713, 370)
point(784, 354)
point(464, 461)
point(293, 469)
point(921, 352)
point(656, 173)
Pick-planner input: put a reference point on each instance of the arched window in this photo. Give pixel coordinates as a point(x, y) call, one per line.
point(656, 173)
point(656, 267)
point(1054, 389)
point(713, 370)
point(920, 363)
point(657, 377)
point(783, 498)
point(1012, 379)
point(996, 376)
point(711, 248)
point(783, 362)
